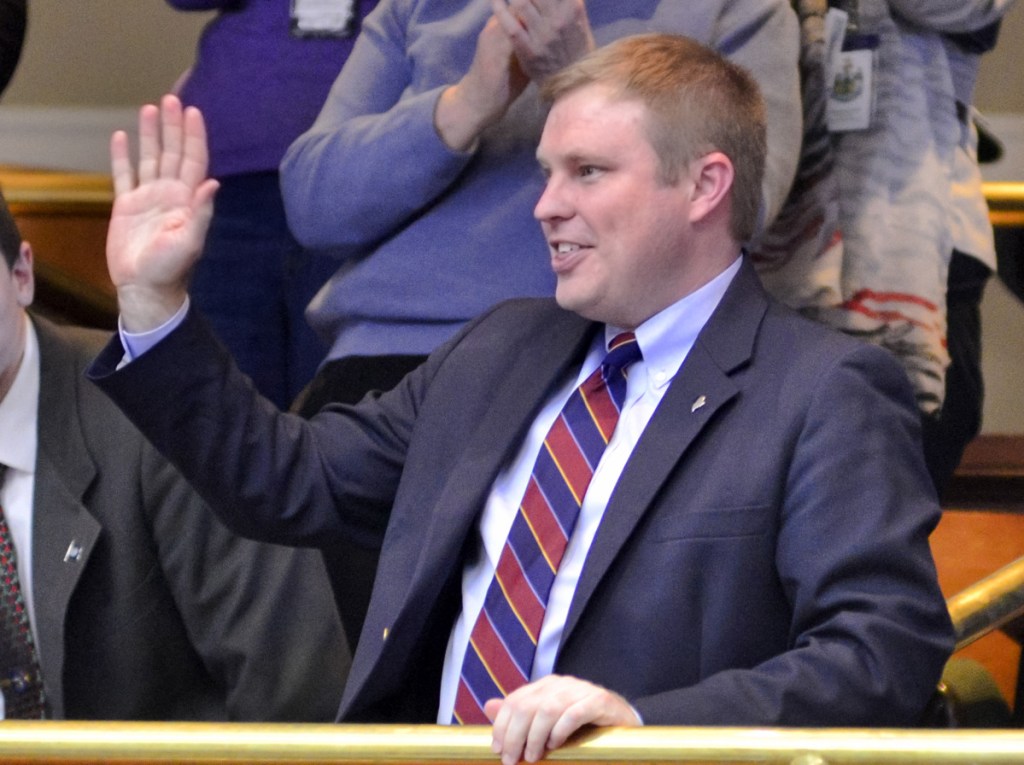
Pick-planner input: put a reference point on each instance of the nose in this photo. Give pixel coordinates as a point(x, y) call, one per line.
point(553, 203)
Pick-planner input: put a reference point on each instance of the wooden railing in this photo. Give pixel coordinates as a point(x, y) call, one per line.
point(64, 216)
point(107, 743)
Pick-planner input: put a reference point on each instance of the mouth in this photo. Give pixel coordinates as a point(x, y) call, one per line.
point(565, 255)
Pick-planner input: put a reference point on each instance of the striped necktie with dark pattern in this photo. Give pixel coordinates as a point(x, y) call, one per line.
point(503, 642)
point(20, 678)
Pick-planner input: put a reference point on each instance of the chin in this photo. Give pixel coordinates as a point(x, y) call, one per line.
point(570, 302)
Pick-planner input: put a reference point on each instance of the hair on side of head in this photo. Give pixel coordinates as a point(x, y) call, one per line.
point(10, 236)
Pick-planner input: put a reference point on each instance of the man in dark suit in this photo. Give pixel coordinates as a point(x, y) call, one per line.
point(752, 548)
point(142, 605)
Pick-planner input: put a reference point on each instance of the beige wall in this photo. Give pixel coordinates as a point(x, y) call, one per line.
point(123, 52)
point(102, 53)
point(1000, 83)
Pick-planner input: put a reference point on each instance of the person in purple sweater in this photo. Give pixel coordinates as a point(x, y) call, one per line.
point(262, 71)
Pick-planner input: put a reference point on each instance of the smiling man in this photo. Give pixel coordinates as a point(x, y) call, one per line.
point(660, 498)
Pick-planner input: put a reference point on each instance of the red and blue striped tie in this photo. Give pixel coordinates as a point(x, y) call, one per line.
point(503, 642)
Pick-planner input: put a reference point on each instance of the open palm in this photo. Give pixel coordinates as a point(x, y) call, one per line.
point(158, 224)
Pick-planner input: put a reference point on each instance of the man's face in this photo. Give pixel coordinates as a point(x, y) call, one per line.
point(16, 288)
point(617, 234)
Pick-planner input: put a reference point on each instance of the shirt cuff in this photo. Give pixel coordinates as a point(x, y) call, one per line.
point(137, 343)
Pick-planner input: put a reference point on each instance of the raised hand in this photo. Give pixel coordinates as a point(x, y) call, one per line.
point(158, 224)
point(547, 35)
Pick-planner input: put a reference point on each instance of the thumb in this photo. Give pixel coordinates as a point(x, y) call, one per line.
point(492, 707)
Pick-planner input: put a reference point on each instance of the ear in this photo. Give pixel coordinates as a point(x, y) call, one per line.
point(22, 276)
point(712, 176)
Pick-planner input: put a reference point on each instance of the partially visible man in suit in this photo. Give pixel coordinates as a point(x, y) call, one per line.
point(751, 547)
point(136, 604)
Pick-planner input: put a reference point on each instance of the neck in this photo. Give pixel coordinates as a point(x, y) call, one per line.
point(10, 372)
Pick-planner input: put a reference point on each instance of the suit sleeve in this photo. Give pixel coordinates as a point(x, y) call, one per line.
point(870, 633)
point(269, 475)
point(261, 617)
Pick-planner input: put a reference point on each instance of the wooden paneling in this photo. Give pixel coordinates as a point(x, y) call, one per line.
point(64, 216)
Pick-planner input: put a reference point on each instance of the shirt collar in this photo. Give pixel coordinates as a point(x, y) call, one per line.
point(19, 407)
point(666, 338)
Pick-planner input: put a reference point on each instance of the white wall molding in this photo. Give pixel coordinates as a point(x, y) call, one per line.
point(61, 138)
point(67, 138)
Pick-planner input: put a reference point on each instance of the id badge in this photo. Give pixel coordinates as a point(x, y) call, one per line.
point(851, 102)
point(323, 18)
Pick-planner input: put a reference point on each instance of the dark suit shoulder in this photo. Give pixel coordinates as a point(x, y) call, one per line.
point(81, 342)
point(794, 335)
point(523, 315)
point(67, 395)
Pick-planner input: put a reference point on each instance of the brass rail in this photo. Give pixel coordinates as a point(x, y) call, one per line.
point(1005, 204)
point(988, 604)
point(94, 743)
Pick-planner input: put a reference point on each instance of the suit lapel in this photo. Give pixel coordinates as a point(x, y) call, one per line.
point(702, 387)
point(63, 531)
point(540, 361)
point(533, 370)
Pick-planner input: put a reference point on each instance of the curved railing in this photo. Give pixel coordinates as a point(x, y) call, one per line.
point(988, 604)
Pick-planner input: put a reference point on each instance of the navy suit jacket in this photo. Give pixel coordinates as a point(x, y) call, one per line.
point(763, 560)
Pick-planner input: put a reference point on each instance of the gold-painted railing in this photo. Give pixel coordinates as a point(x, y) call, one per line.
point(1005, 203)
point(988, 604)
point(145, 744)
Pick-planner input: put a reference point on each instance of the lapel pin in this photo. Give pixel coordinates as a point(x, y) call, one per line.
point(698, 403)
point(74, 553)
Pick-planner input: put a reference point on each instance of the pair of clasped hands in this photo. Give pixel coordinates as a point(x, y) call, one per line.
point(161, 213)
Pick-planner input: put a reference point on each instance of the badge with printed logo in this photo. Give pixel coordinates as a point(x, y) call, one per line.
point(851, 102)
point(323, 18)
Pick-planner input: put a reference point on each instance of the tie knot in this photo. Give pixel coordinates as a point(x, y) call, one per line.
point(622, 351)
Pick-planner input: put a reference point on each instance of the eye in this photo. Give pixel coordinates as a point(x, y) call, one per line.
point(588, 171)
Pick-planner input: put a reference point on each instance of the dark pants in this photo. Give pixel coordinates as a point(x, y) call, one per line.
point(352, 568)
point(947, 434)
point(254, 282)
